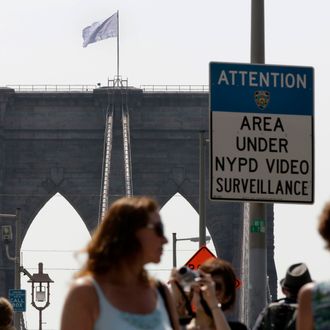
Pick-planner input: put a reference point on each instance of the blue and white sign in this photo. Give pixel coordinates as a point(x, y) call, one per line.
point(262, 136)
point(18, 299)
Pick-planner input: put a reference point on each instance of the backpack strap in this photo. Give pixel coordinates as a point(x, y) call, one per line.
point(161, 289)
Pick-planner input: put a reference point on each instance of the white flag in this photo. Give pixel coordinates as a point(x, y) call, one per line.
point(101, 30)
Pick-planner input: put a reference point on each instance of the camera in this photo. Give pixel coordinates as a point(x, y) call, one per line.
point(187, 276)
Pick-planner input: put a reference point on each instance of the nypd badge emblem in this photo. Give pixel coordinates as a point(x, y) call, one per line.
point(262, 99)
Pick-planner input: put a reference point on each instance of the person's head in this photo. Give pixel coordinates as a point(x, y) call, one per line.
point(224, 278)
point(296, 276)
point(324, 224)
point(6, 313)
point(130, 232)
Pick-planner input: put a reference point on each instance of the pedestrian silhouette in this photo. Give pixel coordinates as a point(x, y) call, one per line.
point(282, 313)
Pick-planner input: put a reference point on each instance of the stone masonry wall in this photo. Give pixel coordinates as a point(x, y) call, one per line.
point(53, 142)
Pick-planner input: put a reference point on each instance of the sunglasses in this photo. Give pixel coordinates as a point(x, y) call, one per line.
point(158, 228)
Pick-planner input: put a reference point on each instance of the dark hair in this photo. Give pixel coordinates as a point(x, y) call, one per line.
point(6, 312)
point(114, 241)
point(324, 224)
point(220, 267)
point(296, 276)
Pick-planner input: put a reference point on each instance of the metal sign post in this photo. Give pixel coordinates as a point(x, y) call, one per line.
point(191, 239)
point(257, 288)
point(202, 218)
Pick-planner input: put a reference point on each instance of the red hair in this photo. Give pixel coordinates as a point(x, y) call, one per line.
point(114, 241)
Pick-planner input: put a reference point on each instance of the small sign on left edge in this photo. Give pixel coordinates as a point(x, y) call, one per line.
point(18, 299)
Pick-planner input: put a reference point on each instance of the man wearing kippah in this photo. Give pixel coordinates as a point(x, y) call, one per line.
point(281, 314)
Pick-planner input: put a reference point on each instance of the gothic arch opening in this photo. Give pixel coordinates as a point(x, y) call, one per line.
point(55, 234)
point(181, 218)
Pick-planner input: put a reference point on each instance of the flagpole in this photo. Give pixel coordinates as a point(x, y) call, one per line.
point(118, 45)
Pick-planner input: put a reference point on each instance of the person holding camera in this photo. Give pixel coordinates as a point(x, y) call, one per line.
point(208, 309)
point(113, 290)
point(212, 293)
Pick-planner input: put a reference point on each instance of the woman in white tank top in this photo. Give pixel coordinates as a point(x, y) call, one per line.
point(113, 290)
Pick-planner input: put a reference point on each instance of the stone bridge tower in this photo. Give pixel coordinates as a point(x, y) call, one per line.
point(53, 142)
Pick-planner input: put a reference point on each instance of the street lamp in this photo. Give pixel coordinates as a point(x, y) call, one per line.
point(40, 291)
point(192, 239)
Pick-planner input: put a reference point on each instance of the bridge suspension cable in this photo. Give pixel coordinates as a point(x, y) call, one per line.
point(127, 151)
point(107, 150)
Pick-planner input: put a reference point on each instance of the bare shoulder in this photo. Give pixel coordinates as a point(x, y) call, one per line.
point(306, 291)
point(305, 315)
point(82, 282)
point(82, 288)
point(81, 306)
